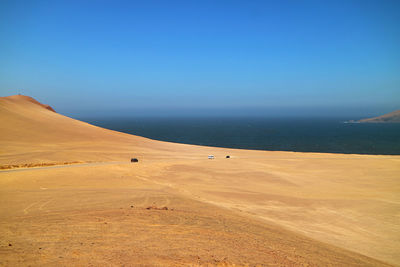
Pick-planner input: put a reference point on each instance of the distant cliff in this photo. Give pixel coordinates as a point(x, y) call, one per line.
point(389, 117)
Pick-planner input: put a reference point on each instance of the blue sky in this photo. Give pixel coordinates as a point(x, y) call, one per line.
point(244, 57)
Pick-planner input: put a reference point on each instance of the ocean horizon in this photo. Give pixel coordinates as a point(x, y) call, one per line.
point(322, 135)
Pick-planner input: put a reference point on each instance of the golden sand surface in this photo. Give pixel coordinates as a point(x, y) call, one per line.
point(72, 198)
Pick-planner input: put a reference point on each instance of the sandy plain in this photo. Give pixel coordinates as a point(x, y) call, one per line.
point(70, 196)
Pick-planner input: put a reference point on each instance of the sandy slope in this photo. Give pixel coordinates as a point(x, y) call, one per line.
point(271, 208)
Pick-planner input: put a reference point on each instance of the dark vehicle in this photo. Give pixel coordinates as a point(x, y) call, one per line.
point(134, 160)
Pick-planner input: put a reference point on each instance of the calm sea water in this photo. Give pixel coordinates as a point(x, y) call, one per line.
point(305, 135)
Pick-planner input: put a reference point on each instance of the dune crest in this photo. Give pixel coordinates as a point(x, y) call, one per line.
point(27, 98)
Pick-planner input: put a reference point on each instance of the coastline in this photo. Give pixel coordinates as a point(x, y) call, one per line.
point(341, 205)
point(265, 134)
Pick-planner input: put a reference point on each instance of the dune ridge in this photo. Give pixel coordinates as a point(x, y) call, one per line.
point(43, 164)
point(20, 97)
point(256, 208)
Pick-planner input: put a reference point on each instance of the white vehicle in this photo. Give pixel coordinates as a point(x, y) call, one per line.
point(211, 157)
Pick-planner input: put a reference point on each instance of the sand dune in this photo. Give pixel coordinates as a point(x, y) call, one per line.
point(259, 207)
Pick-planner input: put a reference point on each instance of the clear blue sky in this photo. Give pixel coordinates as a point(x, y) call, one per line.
point(88, 57)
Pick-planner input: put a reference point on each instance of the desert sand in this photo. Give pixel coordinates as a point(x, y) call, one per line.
point(70, 197)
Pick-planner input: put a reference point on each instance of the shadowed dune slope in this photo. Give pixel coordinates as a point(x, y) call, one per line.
point(256, 208)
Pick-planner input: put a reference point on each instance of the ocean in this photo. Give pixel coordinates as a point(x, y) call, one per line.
point(283, 134)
